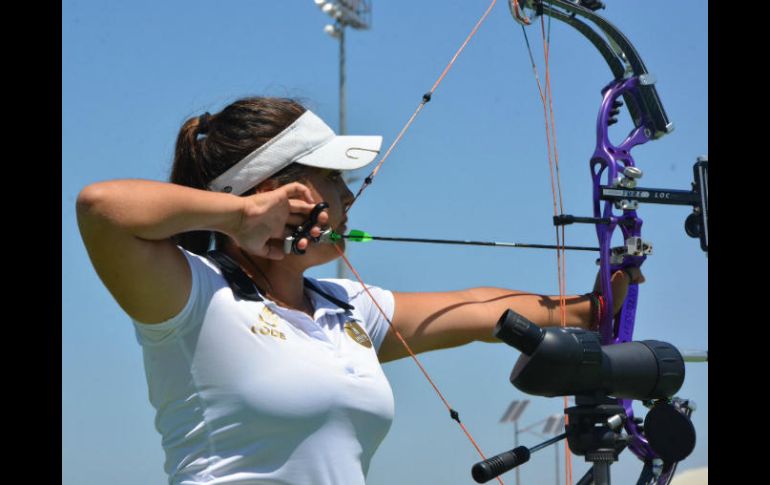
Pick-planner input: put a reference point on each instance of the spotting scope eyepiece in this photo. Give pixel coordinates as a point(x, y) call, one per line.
point(518, 332)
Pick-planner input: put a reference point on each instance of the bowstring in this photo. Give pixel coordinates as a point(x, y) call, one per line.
point(368, 181)
point(425, 100)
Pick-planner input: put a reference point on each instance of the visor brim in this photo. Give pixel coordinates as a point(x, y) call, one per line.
point(344, 153)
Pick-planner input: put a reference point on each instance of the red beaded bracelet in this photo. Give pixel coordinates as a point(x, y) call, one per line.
point(598, 310)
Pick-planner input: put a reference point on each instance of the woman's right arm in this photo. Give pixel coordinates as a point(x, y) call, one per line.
point(127, 225)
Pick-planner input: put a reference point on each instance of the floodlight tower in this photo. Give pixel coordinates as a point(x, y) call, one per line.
point(553, 425)
point(512, 415)
point(345, 13)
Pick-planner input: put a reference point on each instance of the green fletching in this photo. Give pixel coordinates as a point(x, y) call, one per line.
point(358, 236)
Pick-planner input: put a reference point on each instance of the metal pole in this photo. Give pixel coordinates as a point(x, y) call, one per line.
point(556, 449)
point(343, 126)
point(341, 271)
point(516, 445)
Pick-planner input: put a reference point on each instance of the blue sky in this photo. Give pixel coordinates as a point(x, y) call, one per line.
point(473, 166)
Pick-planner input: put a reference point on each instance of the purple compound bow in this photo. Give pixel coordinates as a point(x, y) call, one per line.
point(615, 194)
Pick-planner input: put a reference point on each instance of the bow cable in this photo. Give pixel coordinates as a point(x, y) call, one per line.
point(546, 98)
point(370, 178)
point(452, 412)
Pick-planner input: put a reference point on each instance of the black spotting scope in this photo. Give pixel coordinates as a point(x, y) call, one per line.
point(572, 361)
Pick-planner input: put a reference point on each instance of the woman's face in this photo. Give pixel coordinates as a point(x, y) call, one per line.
point(328, 186)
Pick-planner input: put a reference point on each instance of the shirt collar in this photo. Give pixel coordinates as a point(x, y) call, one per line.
point(246, 289)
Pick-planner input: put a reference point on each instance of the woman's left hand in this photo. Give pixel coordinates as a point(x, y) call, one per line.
point(620, 281)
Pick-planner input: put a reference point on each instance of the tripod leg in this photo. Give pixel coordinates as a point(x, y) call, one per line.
point(588, 478)
point(602, 473)
point(646, 477)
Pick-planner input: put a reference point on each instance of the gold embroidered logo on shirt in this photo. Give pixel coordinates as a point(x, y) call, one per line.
point(267, 316)
point(270, 321)
point(357, 333)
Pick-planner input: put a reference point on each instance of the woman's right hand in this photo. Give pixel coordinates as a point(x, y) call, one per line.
point(269, 217)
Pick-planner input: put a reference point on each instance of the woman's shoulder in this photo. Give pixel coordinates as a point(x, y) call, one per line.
point(206, 262)
point(205, 279)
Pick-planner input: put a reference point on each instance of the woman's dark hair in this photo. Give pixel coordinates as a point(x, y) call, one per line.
point(209, 144)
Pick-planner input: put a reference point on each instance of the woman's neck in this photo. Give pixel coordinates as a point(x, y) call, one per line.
point(280, 281)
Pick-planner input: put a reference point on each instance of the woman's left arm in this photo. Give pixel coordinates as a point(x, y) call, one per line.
point(432, 321)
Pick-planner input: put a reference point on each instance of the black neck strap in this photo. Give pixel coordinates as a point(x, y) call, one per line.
point(239, 282)
point(246, 289)
point(338, 302)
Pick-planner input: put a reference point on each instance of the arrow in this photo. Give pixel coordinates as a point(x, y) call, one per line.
point(363, 236)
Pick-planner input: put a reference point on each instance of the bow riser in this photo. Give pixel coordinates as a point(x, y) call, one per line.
point(608, 164)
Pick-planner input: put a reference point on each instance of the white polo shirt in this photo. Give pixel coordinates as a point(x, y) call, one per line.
point(248, 392)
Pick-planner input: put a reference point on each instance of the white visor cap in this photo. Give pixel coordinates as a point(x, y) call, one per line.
point(308, 141)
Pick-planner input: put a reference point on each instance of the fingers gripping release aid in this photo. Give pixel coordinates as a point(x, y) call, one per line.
point(303, 231)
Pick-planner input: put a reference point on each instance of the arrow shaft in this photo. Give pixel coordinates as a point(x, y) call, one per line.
point(474, 243)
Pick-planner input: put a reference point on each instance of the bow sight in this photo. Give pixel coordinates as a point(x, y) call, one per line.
point(625, 195)
point(572, 361)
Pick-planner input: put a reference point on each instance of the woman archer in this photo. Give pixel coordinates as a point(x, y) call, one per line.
point(259, 374)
